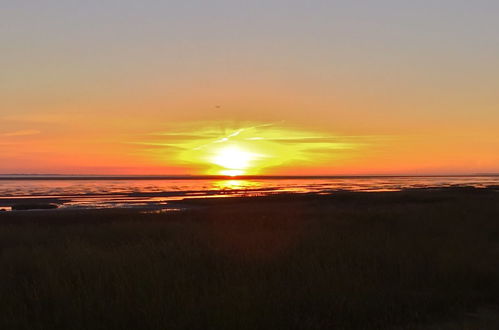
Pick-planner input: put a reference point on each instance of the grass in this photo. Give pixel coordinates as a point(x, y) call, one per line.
point(346, 261)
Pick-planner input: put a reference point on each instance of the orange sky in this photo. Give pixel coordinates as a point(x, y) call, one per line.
point(92, 88)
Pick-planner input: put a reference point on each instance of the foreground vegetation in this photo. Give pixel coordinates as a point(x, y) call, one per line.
point(345, 261)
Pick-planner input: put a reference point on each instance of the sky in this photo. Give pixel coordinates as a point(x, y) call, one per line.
point(249, 87)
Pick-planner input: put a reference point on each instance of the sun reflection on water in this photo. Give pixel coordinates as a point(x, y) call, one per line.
point(236, 184)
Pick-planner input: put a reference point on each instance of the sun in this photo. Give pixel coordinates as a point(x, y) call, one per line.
point(218, 148)
point(233, 160)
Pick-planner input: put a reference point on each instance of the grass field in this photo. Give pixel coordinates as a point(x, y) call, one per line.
point(346, 261)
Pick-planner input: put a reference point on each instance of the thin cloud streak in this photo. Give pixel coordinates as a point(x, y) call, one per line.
point(275, 144)
point(25, 132)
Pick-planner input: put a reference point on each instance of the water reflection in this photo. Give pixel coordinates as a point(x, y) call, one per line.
point(236, 184)
point(114, 193)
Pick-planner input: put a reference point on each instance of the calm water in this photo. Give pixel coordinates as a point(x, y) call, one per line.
point(111, 192)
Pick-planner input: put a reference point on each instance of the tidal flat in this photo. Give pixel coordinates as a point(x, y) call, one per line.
point(414, 259)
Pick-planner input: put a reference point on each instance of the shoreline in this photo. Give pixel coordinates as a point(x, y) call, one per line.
point(160, 200)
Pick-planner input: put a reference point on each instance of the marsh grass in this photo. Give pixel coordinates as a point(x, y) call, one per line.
point(347, 261)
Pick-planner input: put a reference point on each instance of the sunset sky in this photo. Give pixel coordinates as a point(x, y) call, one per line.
point(249, 87)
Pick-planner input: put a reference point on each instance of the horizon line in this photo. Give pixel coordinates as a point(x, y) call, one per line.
point(217, 177)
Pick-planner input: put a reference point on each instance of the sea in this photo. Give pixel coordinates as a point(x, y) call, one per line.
point(69, 192)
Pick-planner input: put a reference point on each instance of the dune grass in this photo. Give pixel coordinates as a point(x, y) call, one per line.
point(347, 261)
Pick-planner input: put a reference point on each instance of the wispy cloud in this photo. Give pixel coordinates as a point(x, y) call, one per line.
point(24, 132)
point(275, 144)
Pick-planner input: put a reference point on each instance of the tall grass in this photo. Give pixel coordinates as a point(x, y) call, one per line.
point(352, 261)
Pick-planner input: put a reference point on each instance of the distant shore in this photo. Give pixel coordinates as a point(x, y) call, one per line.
point(224, 177)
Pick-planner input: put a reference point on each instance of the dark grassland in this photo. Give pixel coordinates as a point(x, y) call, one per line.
point(396, 260)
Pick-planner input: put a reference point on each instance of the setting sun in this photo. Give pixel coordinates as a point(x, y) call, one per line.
point(248, 148)
point(233, 160)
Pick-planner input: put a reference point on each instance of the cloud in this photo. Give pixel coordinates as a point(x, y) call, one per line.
point(24, 132)
point(275, 144)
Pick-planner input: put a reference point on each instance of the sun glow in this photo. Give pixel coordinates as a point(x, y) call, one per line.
point(247, 149)
point(233, 160)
